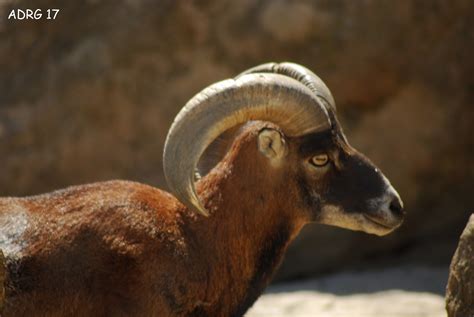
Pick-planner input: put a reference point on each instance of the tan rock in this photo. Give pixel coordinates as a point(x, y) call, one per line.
point(460, 289)
point(2, 280)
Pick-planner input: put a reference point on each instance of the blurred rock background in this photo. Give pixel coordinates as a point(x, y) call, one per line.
point(90, 96)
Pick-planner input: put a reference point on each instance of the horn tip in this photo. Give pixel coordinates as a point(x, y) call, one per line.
point(203, 212)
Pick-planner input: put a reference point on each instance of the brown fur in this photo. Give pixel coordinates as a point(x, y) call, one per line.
point(120, 248)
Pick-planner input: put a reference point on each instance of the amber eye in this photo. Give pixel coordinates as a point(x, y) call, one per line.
point(319, 160)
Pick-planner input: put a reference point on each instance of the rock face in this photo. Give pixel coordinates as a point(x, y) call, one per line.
point(91, 95)
point(460, 289)
point(2, 280)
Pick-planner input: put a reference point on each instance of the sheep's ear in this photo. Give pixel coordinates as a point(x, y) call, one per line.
point(271, 143)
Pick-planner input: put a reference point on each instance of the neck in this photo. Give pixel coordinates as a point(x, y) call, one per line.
point(243, 241)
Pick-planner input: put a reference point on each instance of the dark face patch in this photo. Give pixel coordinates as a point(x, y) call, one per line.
point(354, 184)
point(349, 181)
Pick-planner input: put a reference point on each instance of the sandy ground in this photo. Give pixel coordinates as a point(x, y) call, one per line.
point(394, 292)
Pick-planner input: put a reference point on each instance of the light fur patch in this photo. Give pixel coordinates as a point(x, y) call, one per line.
point(13, 224)
point(389, 194)
point(383, 203)
point(333, 215)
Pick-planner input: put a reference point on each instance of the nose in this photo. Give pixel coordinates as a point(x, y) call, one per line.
point(396, 206)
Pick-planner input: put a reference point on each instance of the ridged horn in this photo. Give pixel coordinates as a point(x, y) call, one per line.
point(301, 74)
point(257, 96)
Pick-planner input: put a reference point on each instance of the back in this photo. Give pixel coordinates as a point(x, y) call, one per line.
point(88, 245)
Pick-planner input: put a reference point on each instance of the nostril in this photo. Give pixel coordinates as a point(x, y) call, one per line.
point(396, 206)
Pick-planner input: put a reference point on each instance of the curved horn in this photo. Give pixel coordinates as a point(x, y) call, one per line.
point(271, 97)
point(300, 73)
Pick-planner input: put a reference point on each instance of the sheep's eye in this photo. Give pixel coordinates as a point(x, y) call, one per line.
point(319, 160)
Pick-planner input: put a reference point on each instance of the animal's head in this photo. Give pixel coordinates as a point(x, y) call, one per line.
point(335, 183)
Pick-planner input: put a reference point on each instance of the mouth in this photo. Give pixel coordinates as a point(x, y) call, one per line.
point(382, 226)
point(378, 222)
